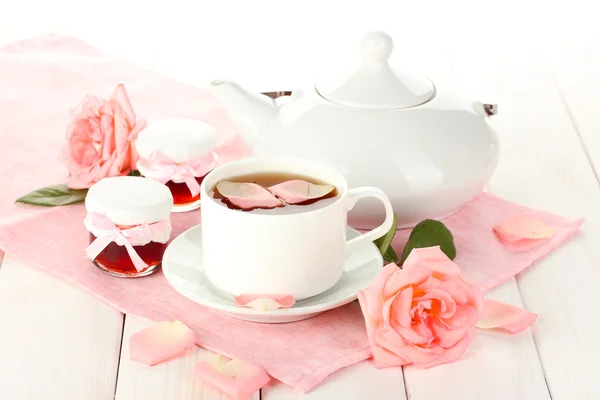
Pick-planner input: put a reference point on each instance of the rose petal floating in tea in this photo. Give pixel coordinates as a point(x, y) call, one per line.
point(521, 227)
point(505, 317)
point(247, 196)
point(236, 378)
point(264, 302)
point(161, 342)
point(298, 191)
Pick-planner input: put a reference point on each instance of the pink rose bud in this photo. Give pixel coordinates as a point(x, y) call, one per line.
point(161, 342)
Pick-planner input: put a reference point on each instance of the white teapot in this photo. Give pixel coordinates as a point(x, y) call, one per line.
point(428, 149)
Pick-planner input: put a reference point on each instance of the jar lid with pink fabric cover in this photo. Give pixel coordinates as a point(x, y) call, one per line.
point(129, 225)
point(178, 153)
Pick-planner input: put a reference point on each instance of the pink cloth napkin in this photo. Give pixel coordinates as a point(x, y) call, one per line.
point(42, 79)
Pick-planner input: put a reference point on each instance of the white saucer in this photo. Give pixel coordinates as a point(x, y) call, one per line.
point(182, 266)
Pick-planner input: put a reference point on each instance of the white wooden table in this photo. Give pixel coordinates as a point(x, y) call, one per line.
point(541, 64)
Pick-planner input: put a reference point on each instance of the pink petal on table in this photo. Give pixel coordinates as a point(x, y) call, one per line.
point(236, 378)
point(298, 191)
point(161, 342)
point(521, 227)
point(247, 196)
point(264, 302)
point(505, 317)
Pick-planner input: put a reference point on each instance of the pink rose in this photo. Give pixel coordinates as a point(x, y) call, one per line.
point(100, 140)
point(423, 314)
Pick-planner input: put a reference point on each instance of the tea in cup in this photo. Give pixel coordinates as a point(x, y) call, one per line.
point(278, 226)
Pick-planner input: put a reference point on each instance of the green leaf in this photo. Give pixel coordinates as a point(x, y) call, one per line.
point(384, 243)
point(56, 195)
point(430, 233)
point(134, 172)
point(390, 255)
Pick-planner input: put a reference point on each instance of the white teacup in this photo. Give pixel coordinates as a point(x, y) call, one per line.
point(300, 254)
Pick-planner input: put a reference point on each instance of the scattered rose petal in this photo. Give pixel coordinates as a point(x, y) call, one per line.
point(161, 342)
point(264, 302)
point(298, 191)
point(522, 227)
point(236, 378)
point(247, 196)
point(506, 317)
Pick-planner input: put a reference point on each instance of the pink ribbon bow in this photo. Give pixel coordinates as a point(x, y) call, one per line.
point(107, 232)
point(165, 169)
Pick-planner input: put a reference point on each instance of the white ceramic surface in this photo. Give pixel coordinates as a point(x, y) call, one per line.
point(183, 267)
point(298, 254)
point(375, 85)
point(428, 149)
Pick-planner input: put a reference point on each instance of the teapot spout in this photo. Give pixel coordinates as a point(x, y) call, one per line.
point(250, 113)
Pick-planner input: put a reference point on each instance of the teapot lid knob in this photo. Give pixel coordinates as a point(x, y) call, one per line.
point(376, 48)
point(375, 85)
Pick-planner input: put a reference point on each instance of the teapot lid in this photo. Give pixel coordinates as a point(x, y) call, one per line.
point(376, 85)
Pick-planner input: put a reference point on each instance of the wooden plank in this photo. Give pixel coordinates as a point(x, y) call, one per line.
point(170, 380)
point(543, 165)
point(360, 381)
point(496, 366)
point(573, 55)
point(56, 341)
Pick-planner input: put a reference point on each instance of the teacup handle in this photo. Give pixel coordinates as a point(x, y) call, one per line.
point(354, 195)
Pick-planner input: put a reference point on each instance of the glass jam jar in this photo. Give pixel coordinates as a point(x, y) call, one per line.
point(129, 225)
point(178, 153)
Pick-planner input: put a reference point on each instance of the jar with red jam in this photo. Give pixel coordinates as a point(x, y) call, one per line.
point(179, 154)
point(129, 225)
